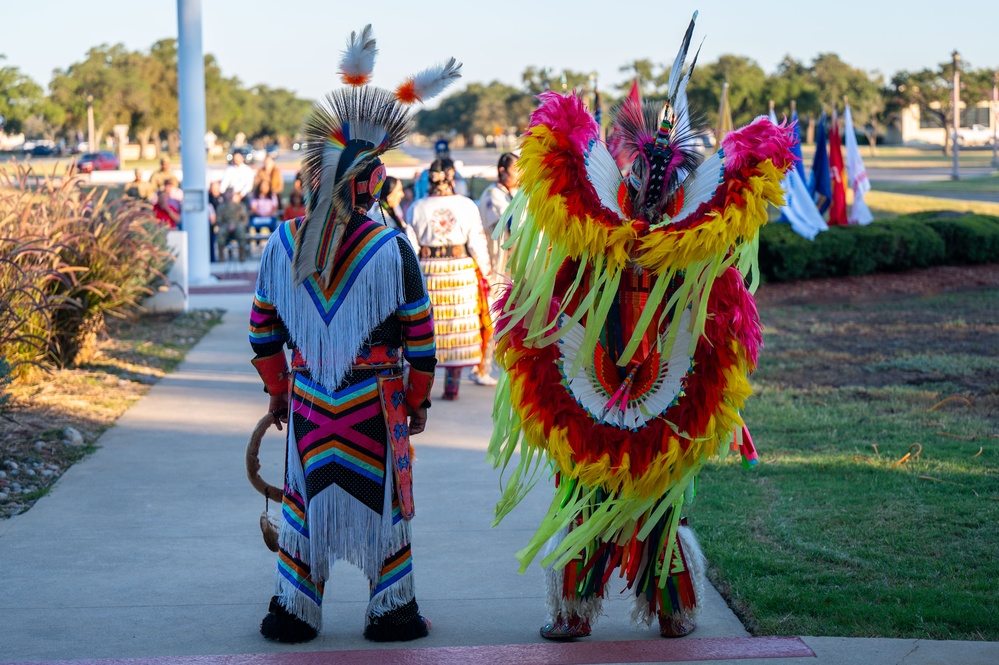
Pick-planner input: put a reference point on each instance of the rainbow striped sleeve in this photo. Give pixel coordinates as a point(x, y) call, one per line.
point(266, 327)
point(417, 329)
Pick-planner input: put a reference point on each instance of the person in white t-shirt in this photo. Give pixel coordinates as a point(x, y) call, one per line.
point(237, 177)
point(492, 206)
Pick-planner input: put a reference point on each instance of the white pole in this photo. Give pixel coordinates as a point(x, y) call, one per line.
point(191, 86)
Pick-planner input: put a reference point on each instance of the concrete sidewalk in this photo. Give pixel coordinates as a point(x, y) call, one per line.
point(150, 549)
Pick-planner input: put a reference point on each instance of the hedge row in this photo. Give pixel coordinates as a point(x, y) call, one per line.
point(919, 240)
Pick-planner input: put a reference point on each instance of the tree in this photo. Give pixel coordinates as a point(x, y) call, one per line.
point(794, 80)
point(837, 80)
point(652, 84)
point(115, 78)
point(162, 121)
point(20, 97)
point(480, 109)
point(932, 91)
point(746, 90)
point(280, 112)
point(538, 80)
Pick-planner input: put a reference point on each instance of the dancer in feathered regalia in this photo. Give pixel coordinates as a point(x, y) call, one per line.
point(627, 337)
point(346, 294)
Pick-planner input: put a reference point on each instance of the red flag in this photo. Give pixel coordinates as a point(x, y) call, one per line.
point(837, 211)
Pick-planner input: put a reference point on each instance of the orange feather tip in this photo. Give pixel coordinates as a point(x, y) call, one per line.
point(406, 93)
point(356, 80)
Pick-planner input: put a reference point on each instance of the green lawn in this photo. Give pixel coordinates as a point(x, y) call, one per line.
point(987, 184)
point(831, 534)
point(885, 205)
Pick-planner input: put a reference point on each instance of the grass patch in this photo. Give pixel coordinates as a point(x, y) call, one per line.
point(89, 398)
point(831, 534)
point(886, 205)
point(987, 185)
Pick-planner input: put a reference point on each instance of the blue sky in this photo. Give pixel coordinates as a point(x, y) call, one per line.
point(295, 43)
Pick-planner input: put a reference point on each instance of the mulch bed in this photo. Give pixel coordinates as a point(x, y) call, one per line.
point(880, 287)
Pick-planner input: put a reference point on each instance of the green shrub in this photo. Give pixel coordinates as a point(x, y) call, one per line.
point(969, 239)
point(784, 255)
point(912, 241)
point(916, 245)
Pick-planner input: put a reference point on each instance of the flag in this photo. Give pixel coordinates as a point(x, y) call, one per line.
point(799, 209)
point(725, 124)
point(800, 164)
point(856, 173)
point(837, 211)
point(818, 182)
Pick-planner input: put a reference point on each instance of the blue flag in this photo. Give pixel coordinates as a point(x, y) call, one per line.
point(799, 164)
point(819, 183)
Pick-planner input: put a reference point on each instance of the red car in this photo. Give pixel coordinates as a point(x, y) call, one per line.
point(97, 161)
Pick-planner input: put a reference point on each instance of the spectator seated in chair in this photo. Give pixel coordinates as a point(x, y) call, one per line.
point(264, 207)
point(167, 206)
point(234, 224)
point(296, 207)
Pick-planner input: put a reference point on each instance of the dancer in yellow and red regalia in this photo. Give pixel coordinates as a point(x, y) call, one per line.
point(627, 337)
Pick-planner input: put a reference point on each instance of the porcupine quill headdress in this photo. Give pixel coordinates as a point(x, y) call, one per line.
point(657, 139)
point(346, 133)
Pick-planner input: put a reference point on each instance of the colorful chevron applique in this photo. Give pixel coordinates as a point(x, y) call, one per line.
point(354, 254)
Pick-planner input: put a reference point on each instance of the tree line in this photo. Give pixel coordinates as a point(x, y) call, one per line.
point(139, 88)
point(876, 102)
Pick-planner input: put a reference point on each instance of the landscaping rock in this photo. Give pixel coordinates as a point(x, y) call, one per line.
point(3, 474)
point(47, 473)
point(30, 472)
point(72, 437)
point(39, 446)
point(11, 464)
point(4, 496)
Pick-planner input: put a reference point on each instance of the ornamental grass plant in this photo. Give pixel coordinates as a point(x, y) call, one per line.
point(69, 259)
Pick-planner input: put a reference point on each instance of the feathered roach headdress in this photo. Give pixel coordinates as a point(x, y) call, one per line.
point(657, 139)
point(346, 132)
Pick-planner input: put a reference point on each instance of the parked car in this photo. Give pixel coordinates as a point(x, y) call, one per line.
point(974, 135)
point(245, 150)
point(45, 149)
point(97, 161)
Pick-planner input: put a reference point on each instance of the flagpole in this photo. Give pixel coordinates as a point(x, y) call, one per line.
point(956, 173)
point(995, 120)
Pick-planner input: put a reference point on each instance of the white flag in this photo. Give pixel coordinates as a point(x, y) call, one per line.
point(856, 173)
point(799, 208)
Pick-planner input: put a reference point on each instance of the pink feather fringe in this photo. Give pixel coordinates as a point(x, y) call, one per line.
point(567, 115)
point(758, 142)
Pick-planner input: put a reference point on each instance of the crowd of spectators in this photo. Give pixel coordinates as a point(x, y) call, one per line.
point(243, 199)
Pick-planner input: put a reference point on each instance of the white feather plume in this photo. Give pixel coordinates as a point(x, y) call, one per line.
point(430, 82)
point(358, 59)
